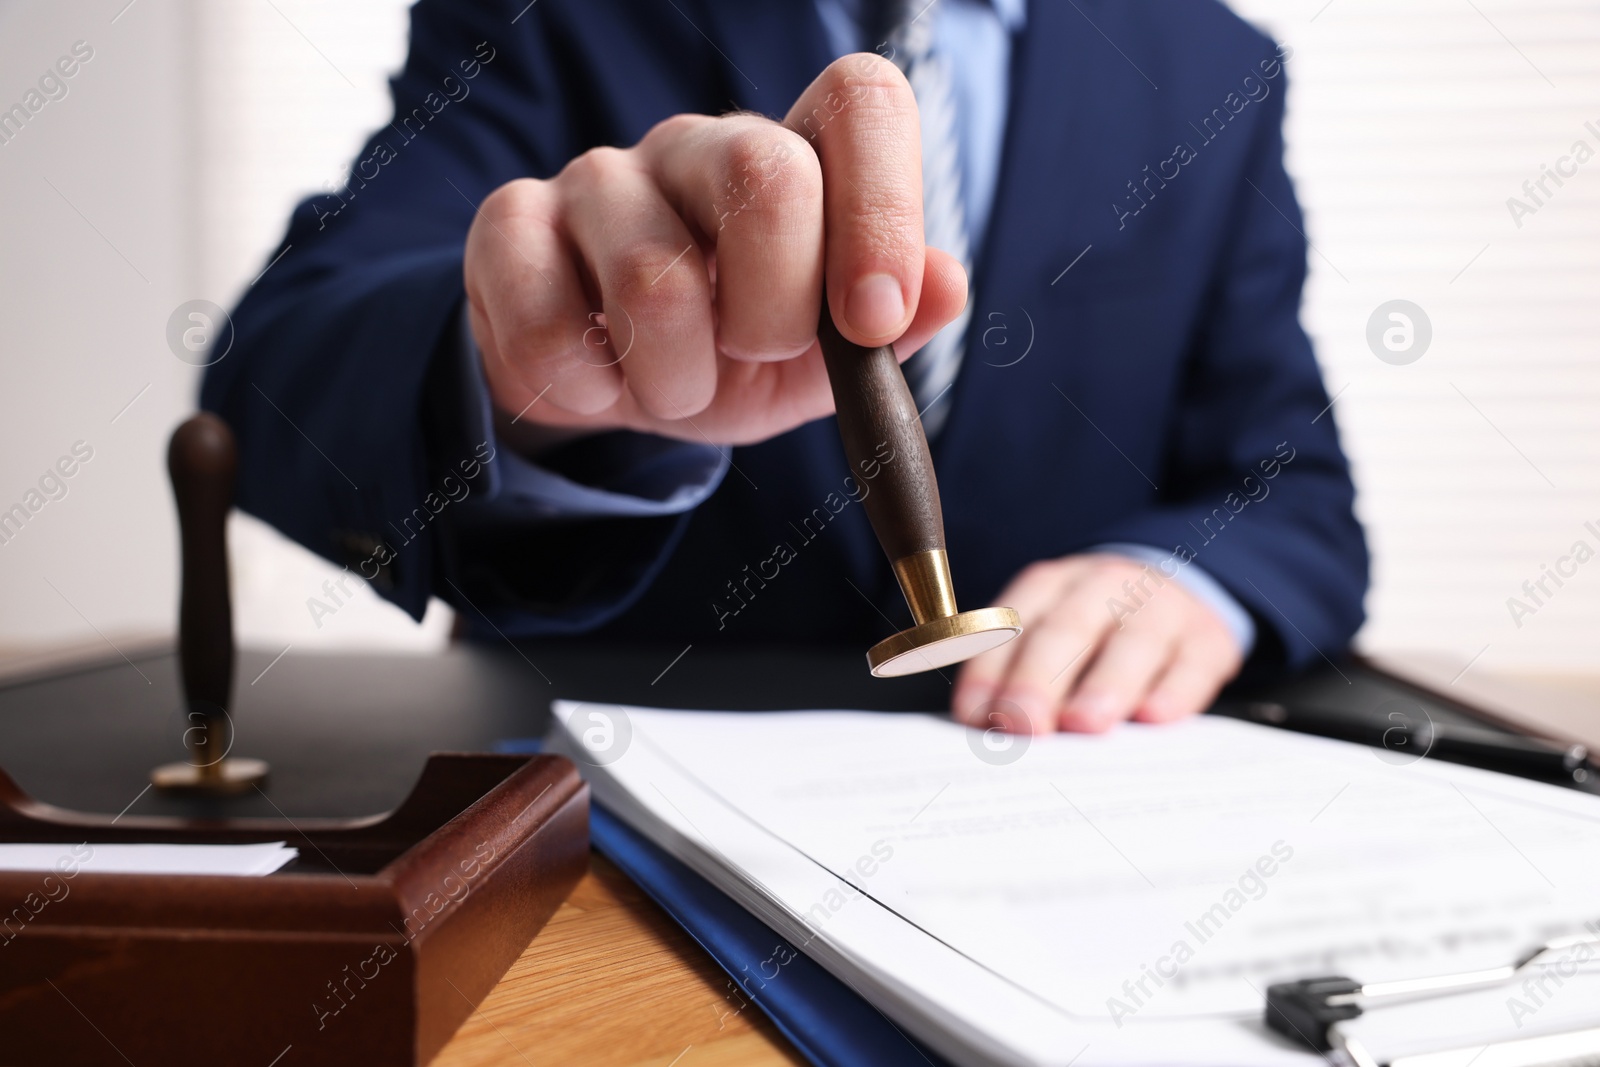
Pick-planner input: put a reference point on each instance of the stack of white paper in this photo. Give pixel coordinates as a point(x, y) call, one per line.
point(1113, 899)
point(69, 859)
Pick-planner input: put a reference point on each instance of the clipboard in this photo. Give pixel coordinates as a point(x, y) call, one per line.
point(1315, 1013)
point(372, 947)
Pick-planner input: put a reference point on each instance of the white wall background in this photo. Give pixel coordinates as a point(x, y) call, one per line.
point(183, 142)
point(186, 139)
point(97, 245)
point(1410, 125)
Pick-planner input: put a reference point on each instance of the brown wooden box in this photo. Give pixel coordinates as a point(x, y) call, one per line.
point(371, 948)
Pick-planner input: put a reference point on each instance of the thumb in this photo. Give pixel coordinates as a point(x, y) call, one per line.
point(944, 295)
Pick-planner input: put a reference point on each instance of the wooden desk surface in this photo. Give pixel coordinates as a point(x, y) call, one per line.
point(612, 981)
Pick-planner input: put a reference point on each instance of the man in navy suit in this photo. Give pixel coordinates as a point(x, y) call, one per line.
point(550, 353)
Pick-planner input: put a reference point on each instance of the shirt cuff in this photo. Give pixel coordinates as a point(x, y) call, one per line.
point(1205, 588)
point(627, 474)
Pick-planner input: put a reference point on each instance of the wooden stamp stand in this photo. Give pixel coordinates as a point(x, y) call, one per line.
point(371, 948)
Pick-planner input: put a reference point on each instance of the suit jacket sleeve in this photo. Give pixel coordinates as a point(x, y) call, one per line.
point(1266, 500)
point(344, 383)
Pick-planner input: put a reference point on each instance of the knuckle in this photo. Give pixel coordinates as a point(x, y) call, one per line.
point(535, 340)
point(768, 173)
point(513, 199)
point(1064, 626)
point(674, 127)
point(650, 281)
point(1115, 569)
point(595, 167)
point(1121, 682)
point(1040, 572)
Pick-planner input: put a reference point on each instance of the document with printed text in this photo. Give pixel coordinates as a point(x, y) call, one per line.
point(1115, 899)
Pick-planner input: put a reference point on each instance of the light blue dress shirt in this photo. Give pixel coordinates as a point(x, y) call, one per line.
point(661, 476)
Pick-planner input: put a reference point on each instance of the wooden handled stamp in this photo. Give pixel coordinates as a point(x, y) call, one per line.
point(202, 460)
point(875, 407)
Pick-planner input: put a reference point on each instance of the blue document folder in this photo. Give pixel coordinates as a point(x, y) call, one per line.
point(828, 1022)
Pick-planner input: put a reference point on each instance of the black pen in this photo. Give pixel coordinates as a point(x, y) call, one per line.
point(1476, 745)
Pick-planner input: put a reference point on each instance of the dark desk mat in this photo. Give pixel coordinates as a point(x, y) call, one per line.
point(346, 734)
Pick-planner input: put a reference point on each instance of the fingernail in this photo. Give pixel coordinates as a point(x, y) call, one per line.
point(875, 307)
point(1152, 710)
point(1020, 714)
point(1090, 712)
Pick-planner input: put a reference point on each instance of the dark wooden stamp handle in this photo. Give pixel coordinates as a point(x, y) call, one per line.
point(879, 426)
point(202, 460)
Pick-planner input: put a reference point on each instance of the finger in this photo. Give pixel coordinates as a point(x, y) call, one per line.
point(1191, 681)
point(652, 281)
point(508, 391)
point(860, 117)
point(1057, 649)
point(1033, 593)
point(1123, 672)
point(523, 289)
point(1054, 651)
point(755, 189)
point(752, 398)
point(944, 294)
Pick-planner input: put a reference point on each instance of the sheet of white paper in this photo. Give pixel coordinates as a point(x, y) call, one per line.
point(70, 859)
point(1127, 896)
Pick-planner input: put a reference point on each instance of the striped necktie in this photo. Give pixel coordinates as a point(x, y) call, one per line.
point(932, 371)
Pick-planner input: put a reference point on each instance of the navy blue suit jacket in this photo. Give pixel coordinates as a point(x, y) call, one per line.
point(1168, 395)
